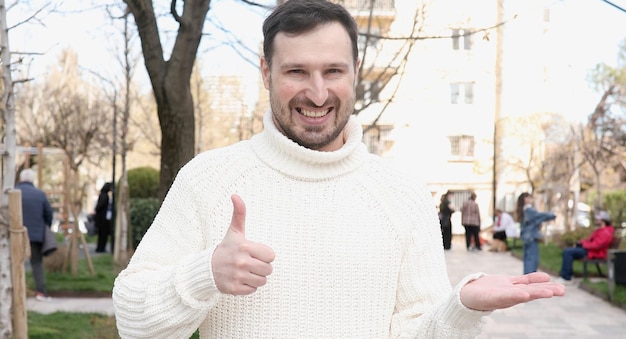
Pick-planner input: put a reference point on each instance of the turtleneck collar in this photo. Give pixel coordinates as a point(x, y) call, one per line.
point(284, 155)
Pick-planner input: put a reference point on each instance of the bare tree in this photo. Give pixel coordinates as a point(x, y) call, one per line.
point(10, 142)
point(598, 145)
point(144, 126)
point(604, 138)
point(121, 97)
point(201, 102)
point(560, 167)
point(525, 141)
point(170, 79)
point(67, 112)
point(8, 113)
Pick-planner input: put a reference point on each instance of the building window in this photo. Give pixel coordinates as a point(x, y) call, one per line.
point(377, 138)
point(461, 39)
point(462, 146)
point(364, 5)
point(459, 197)
point(461, 93)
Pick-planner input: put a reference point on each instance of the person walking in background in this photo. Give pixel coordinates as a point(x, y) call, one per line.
point(470, 219)
point(446, 208)
point(530, 220)
point(103, 213)
point(503, 226)
point(298, 231)
point(595, 246)
point(36, 214)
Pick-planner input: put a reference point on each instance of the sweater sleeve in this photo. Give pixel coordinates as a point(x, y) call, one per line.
point(538, 217)
point(426, 304)
point(167, 289)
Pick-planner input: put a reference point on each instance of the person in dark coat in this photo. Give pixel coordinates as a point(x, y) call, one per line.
point(103, 213)
point(36, 214)
point(446, 208)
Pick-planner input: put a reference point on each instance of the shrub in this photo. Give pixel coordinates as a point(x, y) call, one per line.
point(613, 202)
point(569, 238)
point(142, 213)
point(143, 182)
point(143, 188)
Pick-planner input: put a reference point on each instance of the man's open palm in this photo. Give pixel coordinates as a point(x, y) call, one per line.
point(493, 292)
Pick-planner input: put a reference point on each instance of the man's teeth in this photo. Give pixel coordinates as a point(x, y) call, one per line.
point(313, 114)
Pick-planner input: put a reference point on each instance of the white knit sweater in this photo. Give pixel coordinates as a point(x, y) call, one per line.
point(358, 250)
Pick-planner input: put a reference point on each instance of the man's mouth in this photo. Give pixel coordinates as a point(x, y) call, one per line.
point(313, 114)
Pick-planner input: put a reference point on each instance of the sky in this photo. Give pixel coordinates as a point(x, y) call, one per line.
point(86, 28)
point(596, 30)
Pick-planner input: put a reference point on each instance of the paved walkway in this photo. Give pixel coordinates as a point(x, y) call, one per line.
point(578, 314)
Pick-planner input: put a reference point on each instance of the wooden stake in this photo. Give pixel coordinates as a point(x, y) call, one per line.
point(19, 243)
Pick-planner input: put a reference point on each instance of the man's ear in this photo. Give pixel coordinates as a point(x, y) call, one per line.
point(265, 73)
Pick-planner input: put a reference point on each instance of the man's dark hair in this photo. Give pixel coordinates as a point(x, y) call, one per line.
point(300, 16)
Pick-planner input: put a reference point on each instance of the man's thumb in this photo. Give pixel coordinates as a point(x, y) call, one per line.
point(238, 222)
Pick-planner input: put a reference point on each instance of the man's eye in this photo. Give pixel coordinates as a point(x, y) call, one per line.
point(295, 71)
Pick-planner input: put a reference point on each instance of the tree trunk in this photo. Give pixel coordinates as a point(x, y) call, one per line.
point(177, 133)
point(171, 80)
point(599, 204)
point(8, 179)
point(121, 254)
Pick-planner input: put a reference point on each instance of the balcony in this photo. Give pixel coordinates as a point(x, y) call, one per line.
point(383, 11)
point(362, 7)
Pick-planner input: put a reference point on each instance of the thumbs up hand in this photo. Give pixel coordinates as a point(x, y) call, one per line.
point(240, 266)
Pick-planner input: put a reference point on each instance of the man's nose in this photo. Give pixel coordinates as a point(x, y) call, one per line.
point(318, 90)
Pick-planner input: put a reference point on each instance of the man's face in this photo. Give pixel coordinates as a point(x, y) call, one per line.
point(311, 83)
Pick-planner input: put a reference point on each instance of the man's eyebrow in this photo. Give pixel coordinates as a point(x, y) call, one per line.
point(300, 65)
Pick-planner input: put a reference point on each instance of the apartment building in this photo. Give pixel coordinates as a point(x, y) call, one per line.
point(469, 70)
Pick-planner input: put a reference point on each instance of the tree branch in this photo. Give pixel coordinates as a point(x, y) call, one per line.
point(173, 11)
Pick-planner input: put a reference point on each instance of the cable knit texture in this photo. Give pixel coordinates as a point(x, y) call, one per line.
point(358, 250)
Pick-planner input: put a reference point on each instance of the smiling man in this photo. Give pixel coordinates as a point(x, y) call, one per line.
point(311, 82)
point(300, 232)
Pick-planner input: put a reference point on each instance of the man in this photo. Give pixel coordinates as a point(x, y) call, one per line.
point(36, 214)
point(298, 232)
point(470, 219)
point(595, 246)
point(446, 208)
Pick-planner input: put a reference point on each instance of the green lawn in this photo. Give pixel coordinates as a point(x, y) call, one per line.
point(61, 325)
point(100, 282)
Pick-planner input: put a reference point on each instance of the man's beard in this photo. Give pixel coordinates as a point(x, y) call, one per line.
point(312, 136)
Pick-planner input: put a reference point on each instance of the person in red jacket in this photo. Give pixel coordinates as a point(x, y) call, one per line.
point(594, 247)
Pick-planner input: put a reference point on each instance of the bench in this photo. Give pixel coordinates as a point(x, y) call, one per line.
point(615, 243)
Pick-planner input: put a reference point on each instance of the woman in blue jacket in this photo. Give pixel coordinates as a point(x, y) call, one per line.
point(530, 220)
